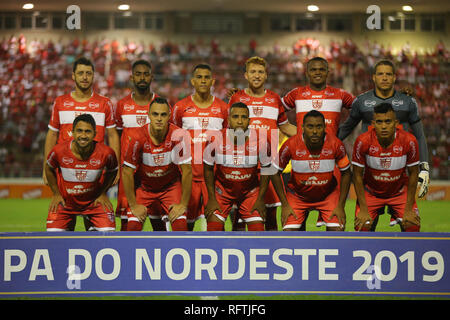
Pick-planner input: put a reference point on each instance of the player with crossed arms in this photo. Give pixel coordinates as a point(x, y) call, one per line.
point(74, 171)
point(158, 154)
point(385, 173)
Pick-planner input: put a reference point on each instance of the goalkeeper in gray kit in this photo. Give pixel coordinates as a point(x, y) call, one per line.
point(406, 110)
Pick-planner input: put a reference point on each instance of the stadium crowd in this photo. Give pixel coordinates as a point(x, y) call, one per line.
point(33, 73)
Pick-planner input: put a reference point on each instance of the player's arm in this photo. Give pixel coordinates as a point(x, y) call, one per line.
point(50, 141)
point(363, 217)
point(212, 204)
point(57, 198)
point(259, 204)
point(409, 217)
point(288, 129)
point(339, 211)
point(114, 143)
point(109, 177)
point(177, 210)
point(138, 210)
point(286, 209)
point(352, 121)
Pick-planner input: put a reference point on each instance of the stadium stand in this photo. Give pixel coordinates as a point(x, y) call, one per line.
point(33, 73)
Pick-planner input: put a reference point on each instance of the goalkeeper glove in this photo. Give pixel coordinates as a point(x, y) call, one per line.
point(424, 179)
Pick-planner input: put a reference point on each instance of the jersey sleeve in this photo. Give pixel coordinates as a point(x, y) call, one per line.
point(352, 121)
point(133, 153)
point(282, 117)
point(412, 156)
point(52, 158)
point(284, 156)
point(359, 153)
point(177, 115)
point(417, 130)
point(342, 160)
point(347, 99)
point(54, 123)
point(289, 99)
point(109, 115)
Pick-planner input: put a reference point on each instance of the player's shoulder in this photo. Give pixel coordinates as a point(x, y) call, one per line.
point(220, 102)
point(333, 140)
point(100, 98)
point(125, 99)
point(183, 102)
point(103, 148)
point(367, 136)
point(65, 100)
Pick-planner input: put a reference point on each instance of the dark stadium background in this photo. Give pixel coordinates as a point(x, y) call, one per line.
point(37, 51)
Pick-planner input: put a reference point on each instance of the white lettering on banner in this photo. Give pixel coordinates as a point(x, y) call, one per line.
point(254, 264)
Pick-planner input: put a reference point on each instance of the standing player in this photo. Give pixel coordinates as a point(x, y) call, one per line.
point(381, 157)
point(158, 154)
point(74, 171)
point(266, 114)
point(82, 100)
point(405, 107)
point(131, 114)
point(197, 113)
point(317, 95)
point(231, 164)
point(313, 186)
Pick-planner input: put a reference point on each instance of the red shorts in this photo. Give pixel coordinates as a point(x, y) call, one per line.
point(158, 203)
point(64, 219)
point(302, 208)
point(199, 198)
point(244, 204)
point(396, 206)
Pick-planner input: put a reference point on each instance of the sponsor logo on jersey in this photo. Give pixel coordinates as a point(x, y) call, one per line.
point(397, 103)
point(128, 107)
point(67, 160)
point(93, 105)
point(370, 103)
point(95, 162)
point(68, 103)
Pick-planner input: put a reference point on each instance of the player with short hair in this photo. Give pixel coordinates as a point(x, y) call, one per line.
point(405, 107)
point(158, 154)
point(131, 114)
point(74, 171)
point(313, 186)
point(385, 172)
point(198, 113)
point(82, 100)
point(266, 113)
point(232, 161)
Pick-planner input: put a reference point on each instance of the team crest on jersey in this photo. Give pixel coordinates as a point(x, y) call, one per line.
point(158, 159)
point(203, 122)
point(314, 165)
point(385, 163)
point(81, 175)
point(141, 120)
point(238, 160)
point(257, 110)
point(317, 104)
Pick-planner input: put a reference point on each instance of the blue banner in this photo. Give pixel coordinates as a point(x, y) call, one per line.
point(224, 263)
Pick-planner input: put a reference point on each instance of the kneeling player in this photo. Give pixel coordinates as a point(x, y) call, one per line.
point(74, 172)
point(158, 155)
point(235, 154)
point(313, 186)
point(380, 159)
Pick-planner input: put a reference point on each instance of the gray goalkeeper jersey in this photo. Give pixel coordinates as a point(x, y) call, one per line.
point(406, 110)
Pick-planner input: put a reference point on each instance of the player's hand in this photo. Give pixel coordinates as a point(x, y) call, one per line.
point(103, 200)
point(424, 179)
point(408, 90)
point(231, 91)
point(140, 212)
point(339, 212)
point(116, 179)
point(410, 217)
point(260, 206)
point(211, 206)
point(176, 211)
point(286, 211)
point(55, 202)
point(362, 219)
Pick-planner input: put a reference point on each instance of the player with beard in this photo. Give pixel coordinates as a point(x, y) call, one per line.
point(74, 171)
point(266, 114)
point(82, 100)
point(131, 114)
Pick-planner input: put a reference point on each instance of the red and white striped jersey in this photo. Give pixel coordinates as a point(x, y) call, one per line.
point(129, 117)
point(328, 101)
point(66, 109)
point(198, 121)
point(79, 180)
point(237, 167)
point(157, 165)
point(312, 177)
point(265, 112)
point(385, 169)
